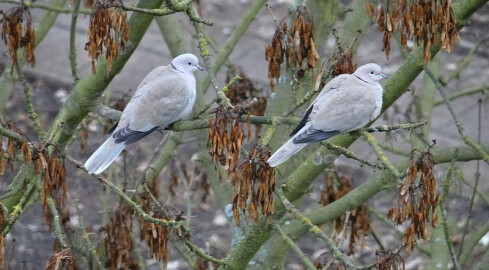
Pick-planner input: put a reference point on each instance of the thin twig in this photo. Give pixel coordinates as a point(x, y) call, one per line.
point(74, 18)
point(472, 243)
point(465, 92)
point(154, 12)
point(294, 247)
point(47, 7)
point(202, 254)
point(319, 233)
point(477, 176)
point(57, 225)
point(33, 116)
point(205, 54)
point(136, 208)
point(462, 65)
point(483, 154)
point(349, 154)
point(445, 190)
point(387, 128)
point(380, 154)
point(461, 177)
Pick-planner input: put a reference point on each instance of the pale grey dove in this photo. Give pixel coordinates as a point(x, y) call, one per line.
point(347, 103)
point(166, 95)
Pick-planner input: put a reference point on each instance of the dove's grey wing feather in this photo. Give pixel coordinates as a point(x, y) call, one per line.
point(335, 83)
point(303, 122)
point(313, 135)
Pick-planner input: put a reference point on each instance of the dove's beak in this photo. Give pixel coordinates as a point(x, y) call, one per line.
point(199, 67)
point(383, 76)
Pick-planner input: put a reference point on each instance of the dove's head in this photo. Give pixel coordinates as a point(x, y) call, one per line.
point(370, 73)
point(186, 63)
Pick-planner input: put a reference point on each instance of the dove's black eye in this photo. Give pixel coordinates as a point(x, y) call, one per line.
point(371, 72)
point(189, 63)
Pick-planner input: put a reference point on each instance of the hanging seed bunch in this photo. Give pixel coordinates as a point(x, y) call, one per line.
point(117, 240)
point(242, 92)
point(358, 221)
point(416, 200)
point(388, 260)
point(428, 22)
point(13, 149)
point(156, 236)
point(254, 185)
point(327, 261)
point(225, 137)
point(65, 259)
point(54, 185)
point(46, 165)
point(343, 58)
point(108, 29)
point(17, 32)
point(292, 46)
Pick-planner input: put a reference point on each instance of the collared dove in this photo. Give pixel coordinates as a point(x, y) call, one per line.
point(166, 95)
point(348, 102)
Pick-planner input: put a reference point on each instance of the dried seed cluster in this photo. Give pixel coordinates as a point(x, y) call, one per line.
point(156, 236)
point(358, 222)
point(65, 259)
point(47, 165)
point(108, 28)
point(225, 137)
point(343, 59)
point(430, 22)
point(54, 185)
point(117, 240)
point(17, 32)
point(388, 260)
point(254, 184)
point(416, 200)
point(242, 92)
point(292, 46)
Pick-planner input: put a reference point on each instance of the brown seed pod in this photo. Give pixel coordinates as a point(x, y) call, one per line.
point(422, 20)
point(358, 221)
point(254, 184)
point(292, 46)
point(417, 199)
point(17, 32)
point(108, 29)
point(225, 137)
point(64, 259)
point(117, 240)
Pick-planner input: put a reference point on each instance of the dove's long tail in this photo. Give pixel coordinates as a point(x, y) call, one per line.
point(104, 156)
point(285, 152)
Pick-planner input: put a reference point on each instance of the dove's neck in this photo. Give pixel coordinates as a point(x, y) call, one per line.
point(175, 68)
point(363, 80)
